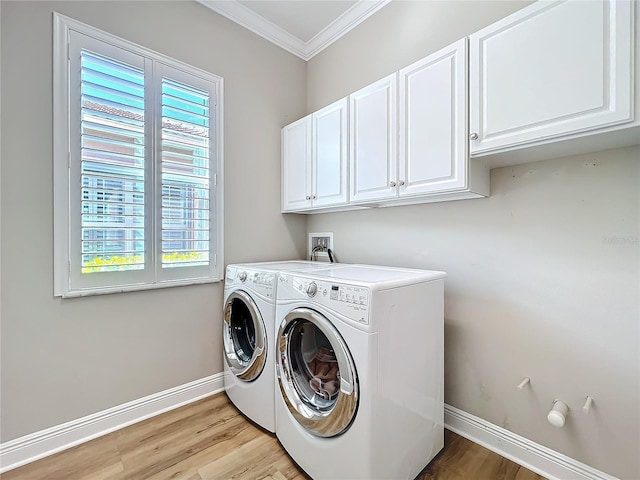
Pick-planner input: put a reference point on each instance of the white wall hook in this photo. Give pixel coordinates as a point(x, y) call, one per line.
point(587, 404)
point(524, 383)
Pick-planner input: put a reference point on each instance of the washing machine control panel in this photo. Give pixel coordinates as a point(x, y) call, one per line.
point(352, 301)
point(259, 281)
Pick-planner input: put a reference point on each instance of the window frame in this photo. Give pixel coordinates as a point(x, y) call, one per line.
point(68, 281)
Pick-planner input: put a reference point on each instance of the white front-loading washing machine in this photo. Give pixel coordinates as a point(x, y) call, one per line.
point(360, 371)
point(248, 330)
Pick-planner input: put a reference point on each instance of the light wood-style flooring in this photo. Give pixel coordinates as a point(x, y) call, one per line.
point(210, 439)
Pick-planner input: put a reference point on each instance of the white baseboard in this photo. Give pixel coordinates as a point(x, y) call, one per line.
point(34, 446)
point(535, 457)
point(538, 458)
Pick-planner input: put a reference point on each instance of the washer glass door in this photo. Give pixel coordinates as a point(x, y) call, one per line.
point(316, 373)
point(244, 336)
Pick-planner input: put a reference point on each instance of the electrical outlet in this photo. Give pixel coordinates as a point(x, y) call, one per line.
point(321, 242)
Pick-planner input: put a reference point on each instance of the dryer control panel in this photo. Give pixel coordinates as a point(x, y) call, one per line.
point(260, 282)
point(352, 301)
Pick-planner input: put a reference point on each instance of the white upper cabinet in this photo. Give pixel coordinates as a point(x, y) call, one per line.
point(552, 69)
point(433, 123)
point(314, 160)
point(558, 77)
point(372, 139)
point(330, 155)
point(296, 165)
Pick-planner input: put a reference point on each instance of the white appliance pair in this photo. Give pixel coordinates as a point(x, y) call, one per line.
point(359, 363)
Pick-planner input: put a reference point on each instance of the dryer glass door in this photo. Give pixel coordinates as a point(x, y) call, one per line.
point(316, 373)
point(244, 337)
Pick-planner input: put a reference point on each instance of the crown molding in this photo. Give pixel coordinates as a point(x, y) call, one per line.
point(250, 20)
point(343, 25)
point(259, 25)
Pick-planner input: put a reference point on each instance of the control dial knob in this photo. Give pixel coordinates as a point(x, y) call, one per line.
point(242, 276)
point(312, 289)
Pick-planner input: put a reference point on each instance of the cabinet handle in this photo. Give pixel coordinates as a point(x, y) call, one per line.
point(313, 197)
point(473, 136)
point(392, 184)
point(308, 197)
point(401, 183)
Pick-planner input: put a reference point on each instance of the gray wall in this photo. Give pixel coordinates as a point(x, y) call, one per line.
point(63, 359)
point(543, 275)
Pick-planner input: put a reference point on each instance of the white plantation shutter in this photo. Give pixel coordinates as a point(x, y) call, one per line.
point(138, 157)
point(186, 174)
point(112, 165)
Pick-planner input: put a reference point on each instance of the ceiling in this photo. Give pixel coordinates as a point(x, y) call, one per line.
point(302, 27)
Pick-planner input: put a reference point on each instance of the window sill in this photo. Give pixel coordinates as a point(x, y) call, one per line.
point(89, 292)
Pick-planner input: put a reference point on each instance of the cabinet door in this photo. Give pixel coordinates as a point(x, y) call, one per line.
point(551, 69)
point(296, 165)
point(329, 173)
point(372, 138)
point(433, 123)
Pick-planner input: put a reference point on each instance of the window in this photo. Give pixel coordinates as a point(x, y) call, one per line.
point(137, 166)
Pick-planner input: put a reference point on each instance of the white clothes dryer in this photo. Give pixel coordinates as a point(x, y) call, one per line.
point(248, 330)
point(359, 371)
